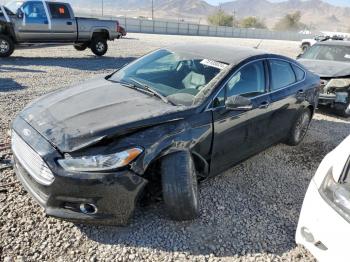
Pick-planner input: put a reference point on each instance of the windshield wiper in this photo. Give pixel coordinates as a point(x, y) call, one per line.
point(149, 89)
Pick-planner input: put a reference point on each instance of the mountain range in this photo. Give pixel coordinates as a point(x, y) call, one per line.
point(315, 13)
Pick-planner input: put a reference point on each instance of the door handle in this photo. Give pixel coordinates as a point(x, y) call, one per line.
point(264, 105)
point(69, 23)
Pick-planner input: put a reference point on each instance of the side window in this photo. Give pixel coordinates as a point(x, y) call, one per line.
point(220, 99)
point(249, 81)
point(299, 73)
point(35, 12)
point(282, 74)
point(59, 11)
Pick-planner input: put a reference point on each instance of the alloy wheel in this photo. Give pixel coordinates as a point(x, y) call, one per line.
point(302, 126)
point(4, 46)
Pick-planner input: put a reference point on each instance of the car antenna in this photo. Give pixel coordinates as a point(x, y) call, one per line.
point(258, 45)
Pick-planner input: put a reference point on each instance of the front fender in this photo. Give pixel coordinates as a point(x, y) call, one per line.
point(173, 137)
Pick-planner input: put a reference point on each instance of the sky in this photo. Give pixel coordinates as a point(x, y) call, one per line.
point(334, 2)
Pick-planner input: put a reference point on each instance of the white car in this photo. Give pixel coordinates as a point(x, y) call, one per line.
point(324, 223)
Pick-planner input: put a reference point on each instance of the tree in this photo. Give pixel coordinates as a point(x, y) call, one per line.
point(220, 18)
point(290, 22)
point(252, 22)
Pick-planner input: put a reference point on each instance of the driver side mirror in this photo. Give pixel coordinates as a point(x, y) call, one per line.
point(238, 103)
point(19, 13)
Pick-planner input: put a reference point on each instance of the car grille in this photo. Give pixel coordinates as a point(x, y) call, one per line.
point(31, 161)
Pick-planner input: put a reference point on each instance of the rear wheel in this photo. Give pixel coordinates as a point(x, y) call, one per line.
point(179, 185)
point(99, 46)
point(7, 46)
point(299, 128)
point(342, 109)
point(81, 47)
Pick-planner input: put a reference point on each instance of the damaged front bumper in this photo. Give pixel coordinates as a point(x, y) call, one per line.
point(98, 198)
point(334, 91)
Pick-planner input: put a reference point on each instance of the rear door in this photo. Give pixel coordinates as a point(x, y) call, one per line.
point(239, 134)
point(64, 28)
point(35, 25)
point(324, 223)
point(287, 94)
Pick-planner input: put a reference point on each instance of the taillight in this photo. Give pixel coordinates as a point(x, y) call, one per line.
point(117, 28)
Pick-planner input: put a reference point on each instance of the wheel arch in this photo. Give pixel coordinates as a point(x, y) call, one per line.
point(6, 29)
point(100, 32)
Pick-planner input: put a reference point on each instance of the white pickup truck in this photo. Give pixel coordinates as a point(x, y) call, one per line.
point(36, 23)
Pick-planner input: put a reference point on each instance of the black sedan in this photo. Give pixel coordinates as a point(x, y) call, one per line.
point(177, 115)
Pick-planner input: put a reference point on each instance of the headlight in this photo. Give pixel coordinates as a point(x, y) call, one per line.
point(337, 195)
point(100, 162)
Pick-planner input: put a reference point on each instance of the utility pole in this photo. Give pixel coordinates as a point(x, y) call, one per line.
point(102, 7)
point(233, 17)
point(152, 10)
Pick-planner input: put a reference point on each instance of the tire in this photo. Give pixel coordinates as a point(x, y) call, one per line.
point(179, 185)
point(7, 46)
point(81, 47)
point(99, 46)
point(299, 128)
point(342, 109)
point(305, 47)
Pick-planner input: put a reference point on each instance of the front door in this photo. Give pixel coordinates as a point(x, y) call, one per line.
point(324, 223)
point(64, 28)
point(240, 133)
point(35, 24)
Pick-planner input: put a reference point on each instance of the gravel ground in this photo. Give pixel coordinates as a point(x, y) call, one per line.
point(249, 213)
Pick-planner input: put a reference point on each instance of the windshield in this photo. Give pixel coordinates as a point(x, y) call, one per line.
point(13, 6)
point(328, 52)
point(177, 77)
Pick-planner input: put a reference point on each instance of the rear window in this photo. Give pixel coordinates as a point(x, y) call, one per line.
point(282, 74)
point(299, 73)
point(59, 11)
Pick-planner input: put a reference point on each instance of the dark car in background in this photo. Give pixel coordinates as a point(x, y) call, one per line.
point(331, 61)
point(177, 115)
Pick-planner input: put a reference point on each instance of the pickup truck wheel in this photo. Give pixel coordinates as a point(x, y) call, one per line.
point(342, 109)
point(299, 128)
point(179, 185)
point(7, 46)
point(99, 46)
point(81, 47)
point(305, 47)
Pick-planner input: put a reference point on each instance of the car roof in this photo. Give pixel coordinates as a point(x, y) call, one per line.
point(335, 43)
point(220, 53)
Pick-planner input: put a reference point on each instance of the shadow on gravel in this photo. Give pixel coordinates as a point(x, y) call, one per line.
point(4, 69)
point(249, 209)
point(91, 63)
point(328, 111)
point(9, 85)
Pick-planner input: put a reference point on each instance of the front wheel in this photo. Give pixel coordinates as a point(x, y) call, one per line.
point(7, 46)
point(179, 185)
point(299, 128)
point(99, 46)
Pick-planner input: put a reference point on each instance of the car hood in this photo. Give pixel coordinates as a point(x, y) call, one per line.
point(327, 69)
point(83, 115)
